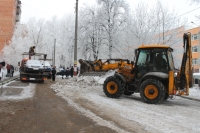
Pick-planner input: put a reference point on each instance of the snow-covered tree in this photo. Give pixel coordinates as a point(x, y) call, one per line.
point(20, 43)
point(113, 16)
point(194, 1)
point(35, 32)
point(90, 32)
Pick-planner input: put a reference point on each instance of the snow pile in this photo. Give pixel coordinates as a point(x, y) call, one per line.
point(95, 80)
point(194, 93)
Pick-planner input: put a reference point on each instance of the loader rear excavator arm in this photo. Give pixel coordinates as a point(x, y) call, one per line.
point(186, 71)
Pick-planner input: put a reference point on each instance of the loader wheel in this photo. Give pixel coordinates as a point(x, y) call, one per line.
point(120, 80)
point(152, 91)
point(112, 87)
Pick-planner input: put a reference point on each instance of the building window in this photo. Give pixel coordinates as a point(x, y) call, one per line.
point(194, 61)
point(194, 49)
point(194, 36)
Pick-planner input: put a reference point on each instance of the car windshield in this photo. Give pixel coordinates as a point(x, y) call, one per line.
point(33, 62)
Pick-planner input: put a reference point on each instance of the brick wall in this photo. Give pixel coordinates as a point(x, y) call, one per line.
point(8, 10)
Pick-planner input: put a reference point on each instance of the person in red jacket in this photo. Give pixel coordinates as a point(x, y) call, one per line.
point(8, 69)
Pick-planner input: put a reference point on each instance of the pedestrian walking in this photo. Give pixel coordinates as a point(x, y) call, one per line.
point(12, 70)
point(63, 73)
point(77, 70)
point(53, 71)
point(67, 72)
point(72, 71)
point(8, 70)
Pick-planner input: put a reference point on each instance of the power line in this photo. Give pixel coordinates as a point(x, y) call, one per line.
point(35, 10)
point(188, 12)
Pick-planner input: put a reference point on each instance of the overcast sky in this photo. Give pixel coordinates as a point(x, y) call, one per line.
point(48, 8)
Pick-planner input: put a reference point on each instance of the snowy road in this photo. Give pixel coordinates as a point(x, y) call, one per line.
point(129, 113)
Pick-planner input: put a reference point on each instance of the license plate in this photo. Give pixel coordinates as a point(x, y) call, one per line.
point(32, 78)
point(35, 68)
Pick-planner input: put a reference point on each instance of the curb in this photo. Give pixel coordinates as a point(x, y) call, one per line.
point(9, 80)
point(189, 98)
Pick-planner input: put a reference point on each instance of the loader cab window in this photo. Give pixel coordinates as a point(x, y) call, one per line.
point(142, 64)
point(160, 60)
point(143, 57)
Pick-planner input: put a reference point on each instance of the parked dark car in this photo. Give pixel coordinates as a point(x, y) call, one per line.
point(61, 71)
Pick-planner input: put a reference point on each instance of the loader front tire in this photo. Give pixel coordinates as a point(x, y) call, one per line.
point(112, 87)
point(152, 91)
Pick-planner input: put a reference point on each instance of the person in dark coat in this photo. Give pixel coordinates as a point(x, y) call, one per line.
point(31, 51)
point(62, 73)
point(72, 71)
point(67, 72)
point(53, 71)
point(77, 70)
point(11, 70)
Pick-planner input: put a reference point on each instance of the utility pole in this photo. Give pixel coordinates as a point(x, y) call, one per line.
point(54, 58)
point(75, 42)
point(54, 51)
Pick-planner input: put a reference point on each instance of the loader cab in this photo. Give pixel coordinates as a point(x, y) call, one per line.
point(156, 59)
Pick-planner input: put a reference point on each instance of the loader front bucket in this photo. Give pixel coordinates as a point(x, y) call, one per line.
point(85, 66)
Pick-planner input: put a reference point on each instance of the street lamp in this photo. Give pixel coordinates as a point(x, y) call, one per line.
point(54, 50)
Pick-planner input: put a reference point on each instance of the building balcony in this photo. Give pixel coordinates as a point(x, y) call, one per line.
point(19, 3)
point(18, 12)
point(18, 18)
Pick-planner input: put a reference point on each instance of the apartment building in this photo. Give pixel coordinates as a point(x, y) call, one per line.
point(195, 32)
point(178, 46)
point(10, 12)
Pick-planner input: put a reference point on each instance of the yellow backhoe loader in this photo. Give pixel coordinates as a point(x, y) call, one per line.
point(152, 74)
